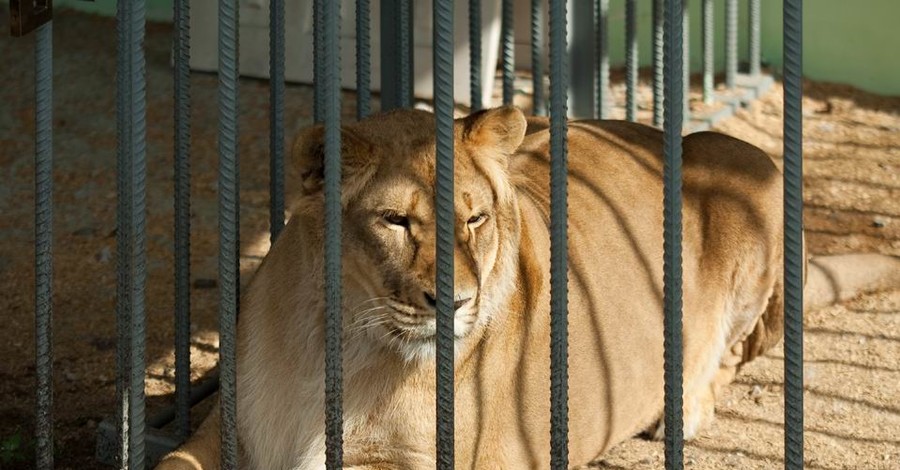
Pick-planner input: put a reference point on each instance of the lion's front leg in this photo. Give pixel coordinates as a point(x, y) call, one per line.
point(201, 451)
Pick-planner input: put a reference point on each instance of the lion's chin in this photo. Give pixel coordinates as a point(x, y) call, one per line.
point(418, 345)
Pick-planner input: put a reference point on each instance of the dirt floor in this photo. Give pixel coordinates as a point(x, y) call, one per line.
point(852, 189)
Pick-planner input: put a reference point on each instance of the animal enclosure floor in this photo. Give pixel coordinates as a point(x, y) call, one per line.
point(852, 191)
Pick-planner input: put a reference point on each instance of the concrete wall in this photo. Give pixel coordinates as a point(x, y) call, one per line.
point(844, 41)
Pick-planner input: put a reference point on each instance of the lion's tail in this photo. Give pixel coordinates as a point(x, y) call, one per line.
point(829, 279)
point(201, 451)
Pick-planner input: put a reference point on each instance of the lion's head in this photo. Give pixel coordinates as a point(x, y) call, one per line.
point(388, 176)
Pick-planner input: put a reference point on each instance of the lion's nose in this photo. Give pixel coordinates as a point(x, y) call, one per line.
point(432, 302)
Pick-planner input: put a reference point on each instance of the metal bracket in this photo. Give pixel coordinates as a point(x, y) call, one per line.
point(27, 15)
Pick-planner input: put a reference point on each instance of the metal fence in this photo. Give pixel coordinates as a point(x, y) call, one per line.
point(670, 22)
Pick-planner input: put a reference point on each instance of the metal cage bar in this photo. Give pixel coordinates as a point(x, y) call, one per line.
point(709, 51)
point(445, 219)
point(331, 66)
point(601, 74)
point(755, 37)
point(182, 124)
point(731, 43)
point(276, 118)
point(793, 234)
point(658, 66)
point(686, 54)
point(229, 225)
point(317, 65)
point(559, 346)
point(631, 60)
point(507, 37)
point(363, 59)
point(43, 244)
point(396, 54)
point(672, 271)
point(130, 233)
point(537, 59)
point(475, 55)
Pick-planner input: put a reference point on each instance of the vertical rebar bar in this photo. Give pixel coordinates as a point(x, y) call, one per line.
point(331, 66)
point(672, 272)
point(229, 226)
point(602, 93)
point(276, 118)
point(755, 48)
point(182, 120)
point(658, 66)
point(43, 244)
point(731, 43)
point(793, 234)
point(317, 66)
point(709, 51)
point(537, 59)
point(686, 59)
point(445, 228)
point(559, 294)
point(131, 243)
point(475, 54)
point(631, 60)
point(405, 49)
point(507, 37)
point(396, 54)
point(363, 60)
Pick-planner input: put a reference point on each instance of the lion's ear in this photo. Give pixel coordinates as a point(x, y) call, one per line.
point(500, 128)
point(308, 153)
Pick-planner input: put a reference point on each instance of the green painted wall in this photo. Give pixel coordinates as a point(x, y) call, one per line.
point(844, 41)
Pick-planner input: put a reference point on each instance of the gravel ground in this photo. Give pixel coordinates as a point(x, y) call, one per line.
point(852, 186)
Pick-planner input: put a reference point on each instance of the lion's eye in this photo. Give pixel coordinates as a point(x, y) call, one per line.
point(477, 220)
point(394, 218)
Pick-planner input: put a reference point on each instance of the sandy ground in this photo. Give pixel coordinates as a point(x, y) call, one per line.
point(852, 186)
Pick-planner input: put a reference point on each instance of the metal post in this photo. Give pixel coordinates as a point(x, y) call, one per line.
point(445, 227)
point(537, 51)
point(507, 37)
point(686, 57)
point(43, 244)
point(229, 224)
point(559, 296)
point(631, 60)
point(793, 234)
point(130, 232)
point(755, 50)
point(658, 36)
point(601, 29)
point(672, 271)
point(331, 66)
point(475, 54)
point(709, 51)
point(363, 60)
point(731, 40)
point(182, 89)
point(396, 54)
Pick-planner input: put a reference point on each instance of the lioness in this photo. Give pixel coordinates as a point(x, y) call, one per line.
point(732, 294)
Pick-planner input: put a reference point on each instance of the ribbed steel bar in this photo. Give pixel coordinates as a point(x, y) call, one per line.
point(537, 57)
point(601, 75)
point(276, 118)
point(318, 98)
point(405, 39)
point(475, 54)
point(559, 240)
point(182, 89)
point(755, 48)
point(331, 66)
point(672, 272)
point(131, 252)
point(229, 225)
point(731, 43)
point(686, 57)
point(709, 51)
point(363, 59)
point(507, 57)
point(445, 228)
point(631, 60)
point(658, 40)
point(43, 244)
point(793, 234)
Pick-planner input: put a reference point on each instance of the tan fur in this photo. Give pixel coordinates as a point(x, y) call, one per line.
point(732, 296)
